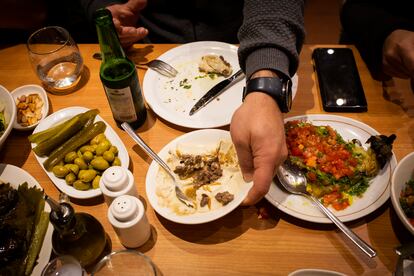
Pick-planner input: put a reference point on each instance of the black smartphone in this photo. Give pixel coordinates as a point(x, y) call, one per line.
point(339, 83)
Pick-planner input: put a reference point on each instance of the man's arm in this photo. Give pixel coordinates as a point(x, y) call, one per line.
point(271, 38)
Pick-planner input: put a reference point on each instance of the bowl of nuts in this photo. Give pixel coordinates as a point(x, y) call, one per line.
point(32, 106)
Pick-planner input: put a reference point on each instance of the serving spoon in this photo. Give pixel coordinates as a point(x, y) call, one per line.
point(157, 65)
point(180, 195)
point(294, 181)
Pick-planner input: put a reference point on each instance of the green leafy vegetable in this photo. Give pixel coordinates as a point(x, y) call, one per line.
point(23, 224)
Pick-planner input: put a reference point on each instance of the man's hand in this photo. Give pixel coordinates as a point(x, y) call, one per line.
point(125, 18)
point(398, 54)
point(257, 131)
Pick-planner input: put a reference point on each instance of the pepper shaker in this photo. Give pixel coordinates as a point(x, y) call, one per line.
point(117, 181)
point(127, 216)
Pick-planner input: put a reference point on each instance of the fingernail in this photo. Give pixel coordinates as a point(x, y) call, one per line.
point(142, 31)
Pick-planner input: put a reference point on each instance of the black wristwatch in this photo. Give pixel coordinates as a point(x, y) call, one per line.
point(280, 89)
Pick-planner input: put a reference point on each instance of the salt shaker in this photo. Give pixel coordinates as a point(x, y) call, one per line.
point(127, 216)
point(117, 181)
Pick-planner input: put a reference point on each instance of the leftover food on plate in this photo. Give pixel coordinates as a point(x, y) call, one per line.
point(3, 124)
point(215, 64)
point(77, 150)
point(336, 170)
point(209, 175)
point(407, 200)
point(23, 225)
point(29, 109)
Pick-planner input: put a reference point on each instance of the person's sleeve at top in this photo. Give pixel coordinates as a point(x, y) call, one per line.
point(90, 6)
point(271, 36)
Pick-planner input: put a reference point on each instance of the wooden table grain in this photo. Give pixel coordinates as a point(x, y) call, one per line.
point(240, 243)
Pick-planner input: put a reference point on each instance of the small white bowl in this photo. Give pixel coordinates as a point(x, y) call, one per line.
point(27, 90)
point(9, 112)
point(402, 173)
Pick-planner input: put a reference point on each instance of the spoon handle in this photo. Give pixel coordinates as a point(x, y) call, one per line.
point(347, 231)
point(146, 148)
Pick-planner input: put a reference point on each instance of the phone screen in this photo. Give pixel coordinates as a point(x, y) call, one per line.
point(339, 82)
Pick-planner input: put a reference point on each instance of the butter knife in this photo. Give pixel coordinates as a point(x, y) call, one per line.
point(215, 91)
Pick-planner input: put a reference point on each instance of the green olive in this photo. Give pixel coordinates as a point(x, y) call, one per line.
point(60, 171)
point(97, 139)
point(70, 178)
point(116, 162)
point(86, 175)
point(95, 182)
point(73, 168)
point(81, 163)
point(87, 156)
point(114, 150)
point(60, 163)
point(69, 157)
point(80, 185)
point(102, 147)
point(108, 156)
point(100, 163)
point(85, 148)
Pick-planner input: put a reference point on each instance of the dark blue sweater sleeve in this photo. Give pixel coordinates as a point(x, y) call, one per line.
point(271, 36)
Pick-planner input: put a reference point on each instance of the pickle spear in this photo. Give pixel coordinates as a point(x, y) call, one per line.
point(82, 137)
point(46, 134)
point(69, 129)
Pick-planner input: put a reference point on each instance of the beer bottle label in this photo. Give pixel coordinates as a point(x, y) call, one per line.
point(122, 104)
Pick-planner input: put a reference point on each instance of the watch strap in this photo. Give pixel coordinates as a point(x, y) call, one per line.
point(278, 88)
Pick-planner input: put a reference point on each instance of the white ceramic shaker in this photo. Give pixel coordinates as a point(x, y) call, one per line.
point(117, 181)
point(127, 216)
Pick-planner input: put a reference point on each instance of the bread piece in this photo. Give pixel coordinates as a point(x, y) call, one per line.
point(215, 64)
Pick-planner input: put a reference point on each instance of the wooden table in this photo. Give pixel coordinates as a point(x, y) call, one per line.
point(239, 243)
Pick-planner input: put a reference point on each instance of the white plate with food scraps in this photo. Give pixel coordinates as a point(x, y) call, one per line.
point(26, 90)
point(16, 176)
point(374, 197)
point(65, 114)
point(173, 102)
point(200, 140)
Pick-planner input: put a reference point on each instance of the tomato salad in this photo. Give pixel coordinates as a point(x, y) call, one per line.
point(336, 170)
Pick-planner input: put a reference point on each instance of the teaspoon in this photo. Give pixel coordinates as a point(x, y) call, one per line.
point(294, 181)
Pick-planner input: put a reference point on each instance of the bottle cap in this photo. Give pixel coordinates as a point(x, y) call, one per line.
point(124, 208)
point(115, 178)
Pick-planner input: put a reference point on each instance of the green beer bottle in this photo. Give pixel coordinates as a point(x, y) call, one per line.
point(118, 74)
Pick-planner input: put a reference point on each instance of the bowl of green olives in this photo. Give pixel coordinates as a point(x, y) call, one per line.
point(77, 170)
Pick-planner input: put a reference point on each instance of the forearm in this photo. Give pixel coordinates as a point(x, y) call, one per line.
point(271, 36)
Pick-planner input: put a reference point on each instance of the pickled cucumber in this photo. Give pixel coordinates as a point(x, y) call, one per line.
point(44, 135)
point(69, 129)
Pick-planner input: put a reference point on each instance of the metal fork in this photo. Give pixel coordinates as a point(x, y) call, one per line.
point(180, 195)
point(157, 65)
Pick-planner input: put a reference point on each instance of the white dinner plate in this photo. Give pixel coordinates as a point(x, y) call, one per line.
point(172, 102)
point(16, 176)
point(63, 115)
point(376, 195)
point(194, 138)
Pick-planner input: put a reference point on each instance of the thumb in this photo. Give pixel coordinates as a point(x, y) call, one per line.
point(262, 179)
point(136, 5)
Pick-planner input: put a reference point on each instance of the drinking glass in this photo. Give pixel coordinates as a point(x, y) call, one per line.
point(55, 58)
point(64, 265)
point(125, 262)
